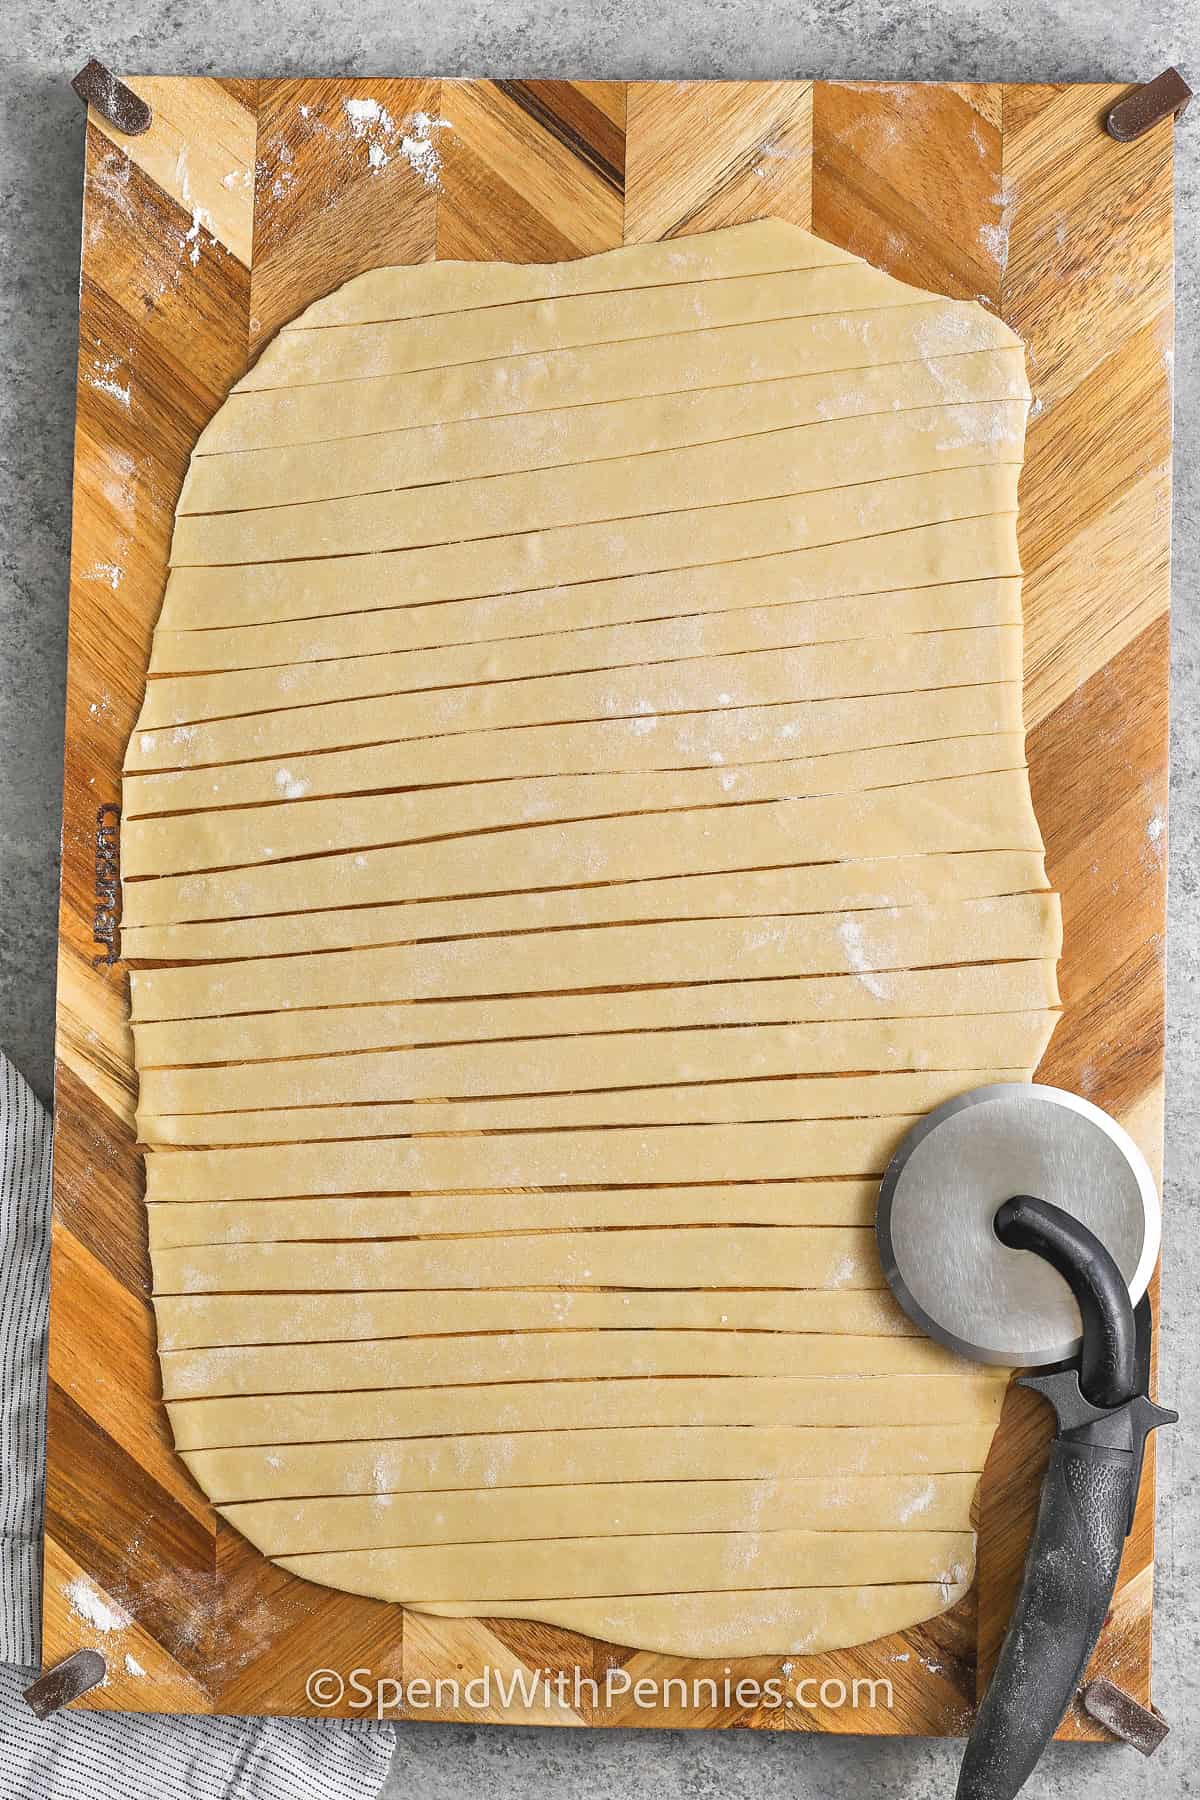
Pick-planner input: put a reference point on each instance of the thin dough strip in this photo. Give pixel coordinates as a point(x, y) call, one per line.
point(188, 699)
point(299, 359)
point(571, 1406)
point(862, 943)
point(522, 383)
point(599, 1509)
point(734, 736)
point(979, 812)
point(690, 1562)
point(217, 1321)
point(183, 844)
point(271, 592)
point(388, 1216)
point(921, 661)
point(540, 1458)
point(819, 887)
point(996, 988)
point(721, 1102)
point(761, 247)
point(796, 1256)
point(670, 1155)
point(244, 785)
point(773, 1622)
point(883, 1052)
point(827, 579)
point(526, 1356)
point(795, 460)
point(568, 436)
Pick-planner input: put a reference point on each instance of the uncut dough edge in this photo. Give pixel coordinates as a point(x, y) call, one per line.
point(770, 1619)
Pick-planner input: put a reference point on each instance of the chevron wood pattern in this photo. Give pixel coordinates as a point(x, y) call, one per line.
point(243, 203)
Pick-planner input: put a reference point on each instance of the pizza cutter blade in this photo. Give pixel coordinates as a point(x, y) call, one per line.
point(1020, 1225)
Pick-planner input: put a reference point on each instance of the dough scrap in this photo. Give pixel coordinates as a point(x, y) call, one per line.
point(579, 815)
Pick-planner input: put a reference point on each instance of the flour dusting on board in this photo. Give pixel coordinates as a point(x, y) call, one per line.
point(93, 1608)
point(414, 139)
point(105, 376)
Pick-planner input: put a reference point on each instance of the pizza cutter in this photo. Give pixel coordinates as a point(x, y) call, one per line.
point(1019, 1225)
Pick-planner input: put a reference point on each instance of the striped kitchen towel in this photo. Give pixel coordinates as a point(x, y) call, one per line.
point(123, 1757)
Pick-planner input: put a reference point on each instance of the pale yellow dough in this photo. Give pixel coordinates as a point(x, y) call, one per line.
point(947, 816)
point(543, 1068)
point(858, 1503)
point(714, 1102)
point(571, 1406)
point(415, 455)
point(199, 1321)
point(827, 587)
point(577, 823)
point(186, 699)
point(487, 1460)
point(706, 1562)
point(859, 943)
point(522, 1356)
point(779, 1621)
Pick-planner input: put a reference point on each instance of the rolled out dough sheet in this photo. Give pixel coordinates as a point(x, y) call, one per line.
point(577, 823)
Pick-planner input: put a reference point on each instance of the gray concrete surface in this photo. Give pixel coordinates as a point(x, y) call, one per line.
point(40, 151)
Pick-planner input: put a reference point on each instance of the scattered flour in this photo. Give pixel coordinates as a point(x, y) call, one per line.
point(104, 378)
point(850, 934)
point(994, 237)
point(920, 1502)
point(92, 1608)
point(292, 787)
point(133, 1666)
point(414, 139)
point(112, 574)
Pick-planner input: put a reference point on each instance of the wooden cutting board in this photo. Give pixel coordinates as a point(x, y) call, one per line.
point(243, 202)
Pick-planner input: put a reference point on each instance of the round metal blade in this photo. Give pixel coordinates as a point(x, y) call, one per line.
point(940, 1193)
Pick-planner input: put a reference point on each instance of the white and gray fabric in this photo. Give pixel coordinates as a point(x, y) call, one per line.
point(123, 1757)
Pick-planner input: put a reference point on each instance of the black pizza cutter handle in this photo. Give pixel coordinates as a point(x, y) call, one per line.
point(1086, 1508)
